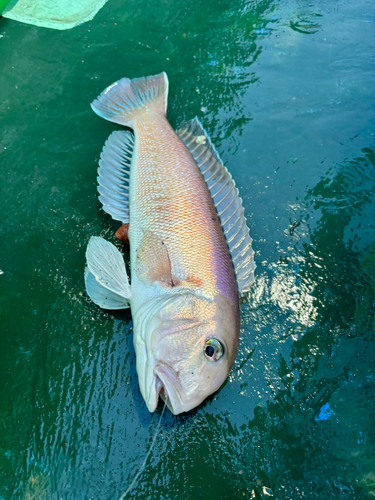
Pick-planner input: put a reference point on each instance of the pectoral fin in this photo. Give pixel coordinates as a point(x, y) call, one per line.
point(153, 263)
point(106, 279)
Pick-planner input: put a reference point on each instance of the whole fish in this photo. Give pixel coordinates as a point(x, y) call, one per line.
point(190, 248)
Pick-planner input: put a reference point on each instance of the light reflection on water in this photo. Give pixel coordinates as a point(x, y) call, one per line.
point(287, 102)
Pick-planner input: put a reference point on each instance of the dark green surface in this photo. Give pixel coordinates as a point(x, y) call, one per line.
point(286, 90)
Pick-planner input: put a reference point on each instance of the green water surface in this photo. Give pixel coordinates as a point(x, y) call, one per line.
point(287, 92)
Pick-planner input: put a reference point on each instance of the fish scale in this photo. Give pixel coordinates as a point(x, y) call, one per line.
point(170, 197)
point(190, 248)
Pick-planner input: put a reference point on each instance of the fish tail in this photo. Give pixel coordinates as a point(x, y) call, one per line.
point(126, 100)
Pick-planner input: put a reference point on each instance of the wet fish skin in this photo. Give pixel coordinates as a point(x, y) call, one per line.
point(183, 285)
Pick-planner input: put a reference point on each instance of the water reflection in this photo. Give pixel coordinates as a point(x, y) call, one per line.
point(316, 433)
point(216, 47)
point(75, 423)
point(296, 419)
point(345, 201)
point(85, 424)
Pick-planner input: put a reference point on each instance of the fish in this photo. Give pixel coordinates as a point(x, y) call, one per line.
point(191, 253)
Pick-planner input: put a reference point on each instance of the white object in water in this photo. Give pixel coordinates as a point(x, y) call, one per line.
point(59, 15)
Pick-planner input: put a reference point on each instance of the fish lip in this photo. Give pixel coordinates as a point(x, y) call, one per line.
point(158, 387)
point(168, 387)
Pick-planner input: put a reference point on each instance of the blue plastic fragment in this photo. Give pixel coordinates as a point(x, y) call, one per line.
point(325, 413)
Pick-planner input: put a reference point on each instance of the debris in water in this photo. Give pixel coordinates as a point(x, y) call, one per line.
point(295, 225)
point(267, 491)
point(325, 413)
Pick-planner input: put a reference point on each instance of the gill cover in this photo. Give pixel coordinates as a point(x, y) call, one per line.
point(185, 347)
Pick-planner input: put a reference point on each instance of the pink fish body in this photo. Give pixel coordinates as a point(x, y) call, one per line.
point(190, 249)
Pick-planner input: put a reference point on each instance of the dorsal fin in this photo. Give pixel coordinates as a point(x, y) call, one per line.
point(226, 199)
point(114, 171)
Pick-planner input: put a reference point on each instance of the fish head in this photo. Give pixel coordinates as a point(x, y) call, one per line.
point(190, 346)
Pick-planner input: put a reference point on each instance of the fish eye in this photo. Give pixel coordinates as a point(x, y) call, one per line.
point(213, 349)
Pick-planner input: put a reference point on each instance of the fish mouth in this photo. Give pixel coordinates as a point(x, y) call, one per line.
point(168, 387)
point(160, 389)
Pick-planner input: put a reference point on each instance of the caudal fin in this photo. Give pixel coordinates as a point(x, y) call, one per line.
point(126, 100)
